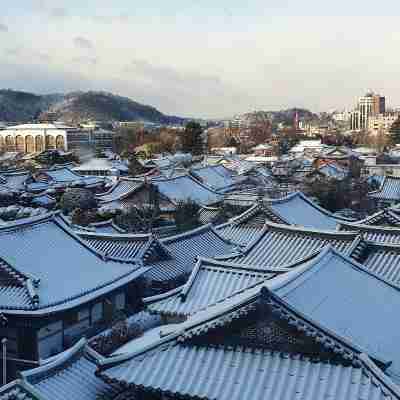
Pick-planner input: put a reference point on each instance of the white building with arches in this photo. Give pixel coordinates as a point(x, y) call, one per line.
point(31, 138)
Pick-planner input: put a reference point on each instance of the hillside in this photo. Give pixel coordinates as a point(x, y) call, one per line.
point(77, 107)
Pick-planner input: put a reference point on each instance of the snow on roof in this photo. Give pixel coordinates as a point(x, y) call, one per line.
point(283, 245)
point(120, 190)
point(185, 249)
point(15, 180)
point(101, 164)
point(380, 234)
point(210, 282)
point(60, 256)
point(183, 360)
point(140, 248)
point(184, 188)
point(70, 375)
point(39, 126)
point(331, 170)
point(298, 209)
point(345, 298)
point(389, 189)
point(216, 177)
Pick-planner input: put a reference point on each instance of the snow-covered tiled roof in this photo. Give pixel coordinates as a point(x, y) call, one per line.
point(223, 370)
point(216, 177)
point(208, 214)
point(344, 297)
point(70, 375)
point(126, 247)
point(283, 245)
point(389, 189)
point(185, 248)
point(120, 190)
point(386, 217)
point(381, 259)
point(50, 257)
point(298, 209)
point(332, 170)
point(19, 390)
point(210, 282)
point(14, 180)
point(380, 234)
point(65, 175)
point(184, 188)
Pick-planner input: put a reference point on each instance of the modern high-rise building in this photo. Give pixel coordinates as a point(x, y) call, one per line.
point(368, 106)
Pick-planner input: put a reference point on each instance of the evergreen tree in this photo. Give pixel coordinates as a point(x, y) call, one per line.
point(395, 131)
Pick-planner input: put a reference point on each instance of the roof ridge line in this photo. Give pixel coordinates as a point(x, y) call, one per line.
point(61, 359)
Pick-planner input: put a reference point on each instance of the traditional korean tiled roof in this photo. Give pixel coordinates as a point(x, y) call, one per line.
point(49, 256)
point(43, 200)
point(389, 190)
point(332, 171)
point(127, 247)
point(240, 373)
point(345, 297)
point(208, 214)
point(282, 245)
point(385, 235)
point(386, 217)
point(184, 188)
point(15, 180)
point(210, 282)
point(180, 365)
point(185, 248)
point(66, 176)
point(19, 390)
point(298, 209)
point(106, 227)
point(217, 177)
point(245, 227)
point(71, 375)
point(123, 188)
point(381, 259)
point(241, 199)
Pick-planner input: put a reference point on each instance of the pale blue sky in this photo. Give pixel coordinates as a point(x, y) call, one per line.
point(205, 58)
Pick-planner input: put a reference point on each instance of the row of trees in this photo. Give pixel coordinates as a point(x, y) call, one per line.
point(129, 140)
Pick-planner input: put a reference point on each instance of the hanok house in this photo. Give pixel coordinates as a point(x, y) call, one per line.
point(137, 193)
point(379, 234)
point(70, 375)
point(55, 288)
point(282, 246)
point(171, 259)
point(211, 282)
point(62, 177)
point(219, 178)
point(342, 156)
point(306, 334)
point(388, 193)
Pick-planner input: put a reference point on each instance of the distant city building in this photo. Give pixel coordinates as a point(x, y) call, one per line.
point(90, 138)
point(382, 122)
point(31, 138)
point(368, 106)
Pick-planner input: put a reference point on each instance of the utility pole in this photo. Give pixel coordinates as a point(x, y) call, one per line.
point(4, 346)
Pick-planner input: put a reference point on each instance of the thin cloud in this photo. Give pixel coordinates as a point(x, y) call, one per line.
point(83, 43)
point(3, 28)
point(86, 60)
point(58, 12)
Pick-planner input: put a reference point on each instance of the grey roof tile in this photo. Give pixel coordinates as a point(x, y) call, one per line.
point(71, 375)
point(210, 282)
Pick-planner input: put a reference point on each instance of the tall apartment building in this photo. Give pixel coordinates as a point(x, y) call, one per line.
point(368, 106)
